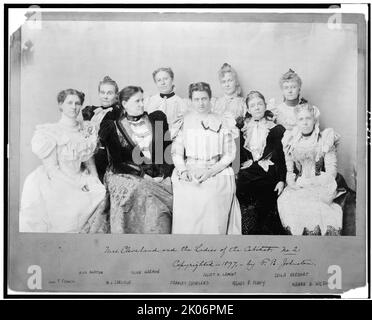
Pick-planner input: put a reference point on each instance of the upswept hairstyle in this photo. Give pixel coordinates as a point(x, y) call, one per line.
point(126, 93)
point(108, 80)
point(165, 69)
point(290, 75)
point(226, 68)
point(200, 86)
point(61, 97)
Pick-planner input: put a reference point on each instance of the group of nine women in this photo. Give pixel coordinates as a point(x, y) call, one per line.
point(165, 164)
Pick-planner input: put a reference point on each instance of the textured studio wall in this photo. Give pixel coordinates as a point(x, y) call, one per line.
point(78, 54)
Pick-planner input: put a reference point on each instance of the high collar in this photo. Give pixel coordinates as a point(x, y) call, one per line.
point(135, 118)
point(292, 103)
point(166, 95)
point(231, 97)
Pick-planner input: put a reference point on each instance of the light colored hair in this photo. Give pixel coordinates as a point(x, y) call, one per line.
point(165, 69)
point(108, 80)
point(290, 75)
point(305, 106)
point(226, 68)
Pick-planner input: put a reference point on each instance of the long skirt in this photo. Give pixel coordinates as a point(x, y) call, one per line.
point(138, 205)
point(210, 207)
point(310, 210)
point(258, 202)
point(53, 205)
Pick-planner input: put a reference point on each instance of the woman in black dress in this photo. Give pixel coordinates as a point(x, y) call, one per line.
point(262, 174)
point(137, 178)
point(109, 109)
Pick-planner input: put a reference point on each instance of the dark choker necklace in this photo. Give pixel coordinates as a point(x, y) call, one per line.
point(307, 134)
point(167, 95)
point(134, 118)
point(292, 103)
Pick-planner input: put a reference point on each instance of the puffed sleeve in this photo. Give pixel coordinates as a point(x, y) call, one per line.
point(88, 112)
point(43, 142)
point(178, 147)
point(287, 140)
point(230, 132)
point(229, 125)
point(272, 108)
point(330, 141)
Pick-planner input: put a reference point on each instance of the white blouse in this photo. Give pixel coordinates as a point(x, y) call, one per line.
point(173, 107)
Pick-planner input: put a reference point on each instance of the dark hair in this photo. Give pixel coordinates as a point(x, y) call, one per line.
point(290, 75)
point(165, 69)
point(200, 86)
point(61, 97)
point(108, 80)
point(126, 93)
point(254, 94)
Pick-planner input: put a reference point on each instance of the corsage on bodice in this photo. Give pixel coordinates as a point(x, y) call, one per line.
point(308, 153)
point(73, 145)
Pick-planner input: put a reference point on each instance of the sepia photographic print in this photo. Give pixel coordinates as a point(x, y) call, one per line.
point(194, 150)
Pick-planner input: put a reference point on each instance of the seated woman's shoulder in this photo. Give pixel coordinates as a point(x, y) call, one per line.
point(45, 139)
point(157, 115)
point(330, 139)
point(88, 112)
point(278, 130)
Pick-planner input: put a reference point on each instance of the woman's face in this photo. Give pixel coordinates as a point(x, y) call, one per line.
point(107, 94)
point(71, 106)
point(228, 83)
point(305, 121)
point(291, 90)
point(164, 82)
point(201, 101)
point(134, 106)
point(257, 108)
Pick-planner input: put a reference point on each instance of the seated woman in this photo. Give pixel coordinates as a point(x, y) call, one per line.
point(306, 205)
point(203, 181)
point(109, 110)
point(137, 178)
point(232, 100)
point(58, 196)
point(166, 100)
point(290, 84)
point(262, 174)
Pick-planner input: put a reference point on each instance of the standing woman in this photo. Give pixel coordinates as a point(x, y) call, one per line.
point(306, 205)
point(262, 173)
point(232, 100)
point(203, 181)
point(59, 196)
point(290, 84)
point(137, 177)
point(108, 110)
point(166, 100)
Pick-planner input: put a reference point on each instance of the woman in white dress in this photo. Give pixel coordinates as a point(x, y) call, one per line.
point(306, 205)
point(166, 100)
point(203, 182)
point(59, 196)
point(232, 101)
point(284, 113)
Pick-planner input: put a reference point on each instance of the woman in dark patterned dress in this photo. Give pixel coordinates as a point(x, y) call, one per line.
point(137, 178)
point(262, 173)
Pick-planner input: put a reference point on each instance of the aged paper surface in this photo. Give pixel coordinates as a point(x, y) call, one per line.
point(175, 263)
